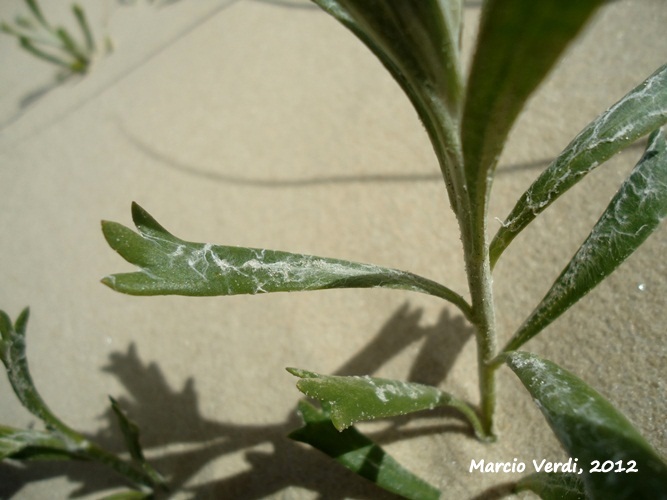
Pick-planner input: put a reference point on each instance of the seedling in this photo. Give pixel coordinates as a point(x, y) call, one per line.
point(468, 121)
point(54, 44)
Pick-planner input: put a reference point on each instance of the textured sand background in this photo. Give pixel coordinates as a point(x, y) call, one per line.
point(266, 124)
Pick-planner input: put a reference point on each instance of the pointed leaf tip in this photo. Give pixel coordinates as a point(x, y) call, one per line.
point(298, 372)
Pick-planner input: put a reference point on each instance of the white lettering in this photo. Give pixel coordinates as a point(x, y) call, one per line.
point(497, 467)
point(479, 466)
point(538, 468)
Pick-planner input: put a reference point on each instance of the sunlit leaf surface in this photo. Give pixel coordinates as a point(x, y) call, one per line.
point(633, 214)
point(640, 112)
point(591, 429)
point(171, 266)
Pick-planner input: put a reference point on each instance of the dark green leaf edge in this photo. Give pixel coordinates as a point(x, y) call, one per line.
point(641, 111)
point(361, 455)
point(632, 215)
point(590, 428)
point(355, 399)
point(171, 266)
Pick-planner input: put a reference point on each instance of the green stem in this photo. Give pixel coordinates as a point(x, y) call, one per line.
point(480, 283)
point(484, 318)
point(472, 416)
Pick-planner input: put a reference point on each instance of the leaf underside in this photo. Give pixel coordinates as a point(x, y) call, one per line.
point(590, 428)
point(641, 111)
point(632, 215)
point(358, 453)
point(171, 266)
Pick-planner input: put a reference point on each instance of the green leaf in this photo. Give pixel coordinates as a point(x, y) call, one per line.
point(36, 11)
point(418, 43)
point(10, 442)
point(13, 356)
point(519, 42)
point(130, 432)
point(641, 111)
point(553, 486)
point(23, 444)
point(632, 215)
point(30, 47)
point(590, 428)
point(357, 399)
point(358, 453)
point(171, 266)
point(80, 16)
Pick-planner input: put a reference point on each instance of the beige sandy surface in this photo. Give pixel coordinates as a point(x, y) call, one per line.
point(266, 124)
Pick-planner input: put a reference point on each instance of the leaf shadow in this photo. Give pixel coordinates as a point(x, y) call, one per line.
point(182, 443)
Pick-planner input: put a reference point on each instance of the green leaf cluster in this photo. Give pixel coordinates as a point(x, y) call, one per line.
point(54, 44)
point(468, 121)
point(468, 118)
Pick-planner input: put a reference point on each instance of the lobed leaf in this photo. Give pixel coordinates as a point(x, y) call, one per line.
point(355, 399)
point(419, 44)
point(590, 428)
point(518, 43)
point(553, 485)
point(359, 454)
point(171, 266)
point(641, 111)
point(632, 215)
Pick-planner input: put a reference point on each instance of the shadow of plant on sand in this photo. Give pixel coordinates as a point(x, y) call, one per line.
point(169, 417)
point(180, 442)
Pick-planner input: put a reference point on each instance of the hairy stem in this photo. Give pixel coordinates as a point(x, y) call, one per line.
point(481, 290)
point(480, 283)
